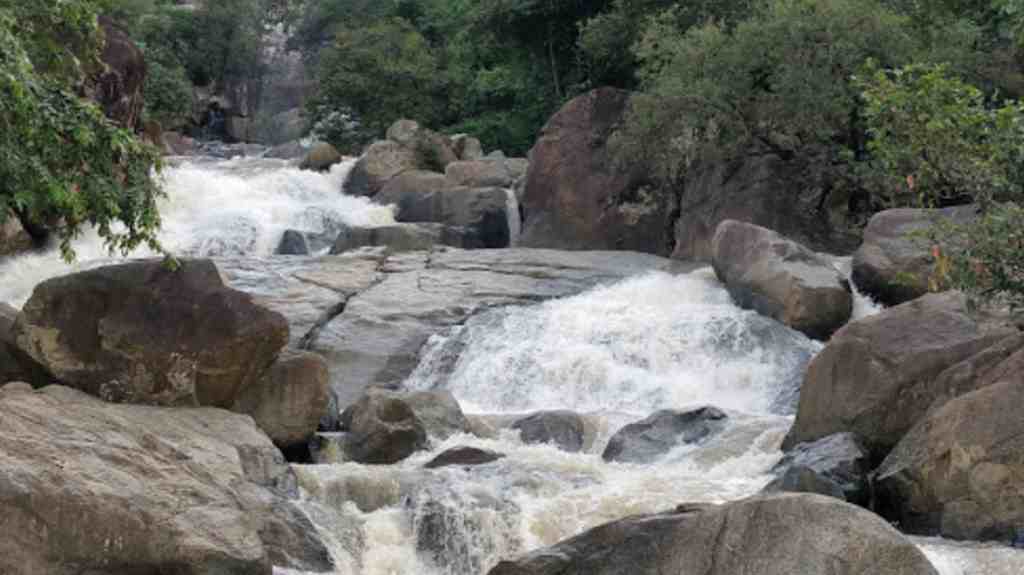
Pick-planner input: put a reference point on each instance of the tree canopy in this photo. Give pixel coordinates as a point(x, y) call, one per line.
point(63, 165)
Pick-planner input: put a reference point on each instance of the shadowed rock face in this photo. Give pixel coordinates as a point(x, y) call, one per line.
point(960, 472)
point(875, 377)
point(140, 333)
point(118, 88)
point(837, 466)
point(562, 428)
point(767, 535)
point(89, 486)
point(577, 198)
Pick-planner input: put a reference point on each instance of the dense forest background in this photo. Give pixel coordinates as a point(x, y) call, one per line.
point(877, 102)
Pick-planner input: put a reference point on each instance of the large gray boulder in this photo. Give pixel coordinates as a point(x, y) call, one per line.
point(837, 466)
point(578, 196)
point(894, 262)
point(768, 535)
point(382, 161)
point(433, 151)
point(876, 377)
point(141, 333)
point(427, 197)
point(959, 472)
point(781, 279)
point(563, 428)
point(288, 402)
point(649, 439)
point(88, 486)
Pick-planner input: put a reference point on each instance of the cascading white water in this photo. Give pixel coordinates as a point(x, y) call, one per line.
point(615, 354)
point(220, 207)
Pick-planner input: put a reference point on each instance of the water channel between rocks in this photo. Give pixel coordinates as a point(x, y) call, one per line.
point(614, 353)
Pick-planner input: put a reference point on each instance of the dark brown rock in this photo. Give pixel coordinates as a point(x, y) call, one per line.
point(764, 190)
point(289, 400)
point(873, 378)
point(781, 279)
point(577, 197)
point(141, 333)
point(118, 87)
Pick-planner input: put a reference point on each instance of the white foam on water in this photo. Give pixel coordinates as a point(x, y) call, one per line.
point(646, 343)
point(218, 207)
point(970, 558)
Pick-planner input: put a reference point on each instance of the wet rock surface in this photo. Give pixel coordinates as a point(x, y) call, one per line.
point(767, 535)
point(649, 439)
point(90, 486)
point(563, 428)
point(837, 465)
point(781, 279)
point(875, 377)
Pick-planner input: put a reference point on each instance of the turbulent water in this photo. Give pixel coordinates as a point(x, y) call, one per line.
point(614, 354)
point(221, 207)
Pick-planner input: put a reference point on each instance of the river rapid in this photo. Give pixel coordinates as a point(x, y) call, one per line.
point(614, 354)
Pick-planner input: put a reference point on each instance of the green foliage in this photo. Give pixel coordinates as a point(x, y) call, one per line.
point(935, 138)
point(778, 83)
point(167, 94)
point(988, 261)
point(63, 165)
point(382, 72)
point(936, 130)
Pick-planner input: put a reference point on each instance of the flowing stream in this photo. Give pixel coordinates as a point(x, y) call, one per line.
point(613, 354)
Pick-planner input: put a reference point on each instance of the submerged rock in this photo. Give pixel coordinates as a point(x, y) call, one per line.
point(781, 279)
point(93, 487)
point(563, 428)
point(293, 243)
point(647, 440)
point(767, 535)
point(463, 456)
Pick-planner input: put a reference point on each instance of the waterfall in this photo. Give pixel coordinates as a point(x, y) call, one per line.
point(213, 208)
point(613, 354)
